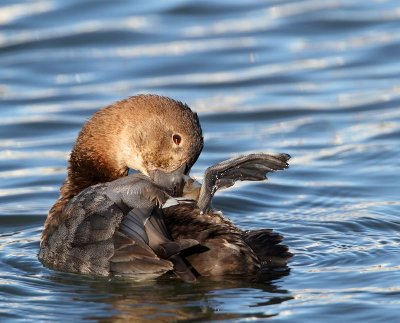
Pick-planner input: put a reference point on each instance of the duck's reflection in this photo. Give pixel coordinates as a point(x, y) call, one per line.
point(168, 299)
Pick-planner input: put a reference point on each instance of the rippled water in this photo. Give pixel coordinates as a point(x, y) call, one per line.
point(319, 80)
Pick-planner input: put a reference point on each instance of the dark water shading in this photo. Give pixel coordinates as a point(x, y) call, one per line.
point(319, 80)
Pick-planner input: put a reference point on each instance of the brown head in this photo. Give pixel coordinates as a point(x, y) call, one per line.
point(147, 133)
point(158, 136)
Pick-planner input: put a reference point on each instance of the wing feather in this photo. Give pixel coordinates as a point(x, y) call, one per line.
point(253, 167)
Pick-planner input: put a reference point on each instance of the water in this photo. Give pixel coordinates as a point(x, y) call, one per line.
point(319, 80)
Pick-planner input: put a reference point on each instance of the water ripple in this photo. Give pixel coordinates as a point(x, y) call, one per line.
point(316, 79)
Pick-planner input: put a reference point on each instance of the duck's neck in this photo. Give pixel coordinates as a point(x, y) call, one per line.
point(89, 167)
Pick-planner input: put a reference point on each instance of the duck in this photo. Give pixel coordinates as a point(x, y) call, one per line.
point(129, 207)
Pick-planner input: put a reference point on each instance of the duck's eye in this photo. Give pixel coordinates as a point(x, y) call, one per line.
point(177, 139)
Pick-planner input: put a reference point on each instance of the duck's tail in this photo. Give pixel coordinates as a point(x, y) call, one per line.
point(266, 245)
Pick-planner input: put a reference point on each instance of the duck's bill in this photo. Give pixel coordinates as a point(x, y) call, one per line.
point(172, 182)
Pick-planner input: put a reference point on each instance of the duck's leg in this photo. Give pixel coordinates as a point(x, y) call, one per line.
point(253, 167)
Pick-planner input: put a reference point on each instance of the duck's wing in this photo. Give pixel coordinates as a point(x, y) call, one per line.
point(137, 260)
point(266, 245)
point(115, 228)
point(222, 250)
point(144, 245)
point(143, 223)
point(253, 167)
point(86, 239)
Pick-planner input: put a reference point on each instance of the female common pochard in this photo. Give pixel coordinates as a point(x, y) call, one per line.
point(157, 220)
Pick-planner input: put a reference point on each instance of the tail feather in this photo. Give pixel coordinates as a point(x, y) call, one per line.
point(266, 245)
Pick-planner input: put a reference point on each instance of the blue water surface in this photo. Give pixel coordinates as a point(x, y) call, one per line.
point(319, 80)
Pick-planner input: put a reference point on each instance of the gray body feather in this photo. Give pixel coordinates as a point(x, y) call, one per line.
point(115, 228)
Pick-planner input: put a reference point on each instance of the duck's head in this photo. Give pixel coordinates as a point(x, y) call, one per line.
point(158, 136)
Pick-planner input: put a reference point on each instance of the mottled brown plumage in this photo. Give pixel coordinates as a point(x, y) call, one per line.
point(105, 222)
point(132, 133)
point(224, 249)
